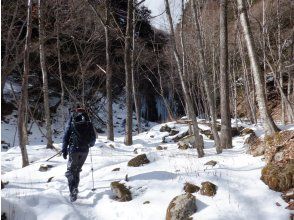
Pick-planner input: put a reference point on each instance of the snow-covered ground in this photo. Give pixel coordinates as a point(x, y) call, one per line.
point(240, 195)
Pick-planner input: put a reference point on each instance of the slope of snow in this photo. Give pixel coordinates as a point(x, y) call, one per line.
point(241, 194)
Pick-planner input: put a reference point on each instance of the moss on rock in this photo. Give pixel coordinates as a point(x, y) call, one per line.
point(121, 192)
point(208, 189)
point(278, 177)
point(191, 188)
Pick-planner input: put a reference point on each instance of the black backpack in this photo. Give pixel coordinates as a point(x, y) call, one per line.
point(83, 134)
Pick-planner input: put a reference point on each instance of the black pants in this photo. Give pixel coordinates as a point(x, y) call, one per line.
point(74, 167)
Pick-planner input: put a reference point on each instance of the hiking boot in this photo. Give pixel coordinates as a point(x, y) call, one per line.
point(74, 195)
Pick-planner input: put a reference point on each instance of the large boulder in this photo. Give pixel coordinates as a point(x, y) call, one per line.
point(278, 176)
point(208, 189)
point(181, 207)
point(182, 145)
point(279, 147)
point(255, 145)
point(121, 192)
point(165, 128)
point(138, 161)
point(246, 131)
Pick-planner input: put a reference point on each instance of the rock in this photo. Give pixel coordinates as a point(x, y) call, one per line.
point(165, 128)
point(43, 167)
point(121, 192)
point(183, 146)
point(146, 202)
point(178, 137)
point(279, 147)
point(111, 146)
point(181, 207)
point(138, 161)
point(5, 145)
point(208, 189)
point(210, 136)
point(236, 131)
point(116, 169)
point(290, 206)
point(246, 131)
point(255, 146)
point(135, 151)
point(159, 148)
point(173, 132)
point(164, 148)
point(191, 188)
point(151, 136)
point(278, 177)
point(2, 185)
point(288, 195)
point(211, 163)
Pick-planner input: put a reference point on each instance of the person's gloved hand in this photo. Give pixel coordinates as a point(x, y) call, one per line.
point(64, 154)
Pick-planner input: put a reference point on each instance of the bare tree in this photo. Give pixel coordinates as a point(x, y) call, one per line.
point(226, 134)
point(191, 112)
point(268, 123)
point(45, 76)
point(22, 110)
point(204, 73)
point(106, 23)
point(128, 72)
point(59, 64)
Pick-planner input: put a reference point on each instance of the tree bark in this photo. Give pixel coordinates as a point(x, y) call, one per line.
point(59, 67)
point(128, 72)
point(45, 76)
point(191, 112)
point(226, 133)
point(204, 73)
point(22, 127)
point(110, 132)
point(135, 94)
point(105, 23)
point(268, 123)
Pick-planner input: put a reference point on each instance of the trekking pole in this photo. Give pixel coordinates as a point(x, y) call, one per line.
point(93, 189)
point(54, 155)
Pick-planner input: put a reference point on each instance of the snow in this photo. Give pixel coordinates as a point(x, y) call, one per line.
point(240, 195)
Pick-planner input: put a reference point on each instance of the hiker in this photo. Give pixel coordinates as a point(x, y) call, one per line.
point(79, 136)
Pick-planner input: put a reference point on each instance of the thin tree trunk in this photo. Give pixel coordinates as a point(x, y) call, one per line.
point(128, 72)
point(135, 95)
point(59, 68)
point(45, 77)
point(268, 123)
point(105, 23)
point(204, 72)
point(198, 139)
point(22, 127)
point(110, 132)
point(226, 133)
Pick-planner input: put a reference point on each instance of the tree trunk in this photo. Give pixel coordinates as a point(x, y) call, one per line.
point(110, 133)
point(191, 112)
point(45, 76)
point(105, 23)
point(204, 73)
point(128, 72)
point(268, 123)
point(226, 133)
point(24, 91)
point(135, 94)
point(59, 69)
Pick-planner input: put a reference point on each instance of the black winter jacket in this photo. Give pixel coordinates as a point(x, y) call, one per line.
point(68, 146)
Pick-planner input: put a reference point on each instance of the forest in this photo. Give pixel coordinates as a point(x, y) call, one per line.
point(206, 97)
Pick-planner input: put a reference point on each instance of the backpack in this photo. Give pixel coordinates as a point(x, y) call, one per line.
point(83, 134)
